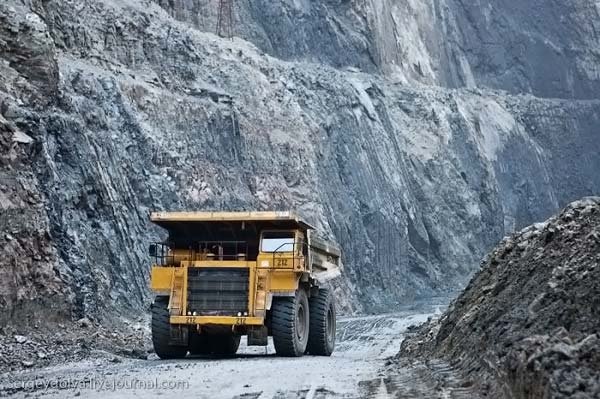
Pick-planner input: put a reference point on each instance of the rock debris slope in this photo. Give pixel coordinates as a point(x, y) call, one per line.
point(527, 325)
point(110, 109)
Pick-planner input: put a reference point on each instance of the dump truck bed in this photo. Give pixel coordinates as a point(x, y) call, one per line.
point(278, 218)
point(325, 259)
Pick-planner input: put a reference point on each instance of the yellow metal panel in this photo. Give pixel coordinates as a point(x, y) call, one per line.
point(218, 320)
point(261, 301)
point(160, 278)
point(219, 263)
point(284, 280)
point(284, 260)
point(262, 288)
point(184, 290)
point(222, 216)
point(251, 290)
point(176, 294)
point(281, 260)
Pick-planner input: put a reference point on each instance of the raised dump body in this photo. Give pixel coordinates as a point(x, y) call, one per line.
point(222, 275)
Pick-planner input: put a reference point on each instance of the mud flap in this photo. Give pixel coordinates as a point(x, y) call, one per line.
point(258, 336)
point(179, 335)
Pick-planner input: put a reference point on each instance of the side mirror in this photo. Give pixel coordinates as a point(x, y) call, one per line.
point(152, 250)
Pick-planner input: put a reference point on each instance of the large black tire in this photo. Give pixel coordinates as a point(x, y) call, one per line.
point(321, 338)
point(198, 344)
point(161, 331)
point(290, 324)
point(220, 345)
point(225, 345)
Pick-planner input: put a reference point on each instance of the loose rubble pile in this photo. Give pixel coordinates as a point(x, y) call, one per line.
point(32, 347)
point(527, 325)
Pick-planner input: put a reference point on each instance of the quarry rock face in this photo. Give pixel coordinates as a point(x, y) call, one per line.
point(548, 49)
point(365, 116)
point(527, 324)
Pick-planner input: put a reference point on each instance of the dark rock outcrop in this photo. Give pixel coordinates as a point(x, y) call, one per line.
point(527, 325)
point(29, 285)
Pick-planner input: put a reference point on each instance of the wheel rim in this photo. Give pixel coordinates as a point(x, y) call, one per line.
point(330, 325)
point(301, 322)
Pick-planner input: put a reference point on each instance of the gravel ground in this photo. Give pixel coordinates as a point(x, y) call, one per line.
point(359, 368)
point(34, 347)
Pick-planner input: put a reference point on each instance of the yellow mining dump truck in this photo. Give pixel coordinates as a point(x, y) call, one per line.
point(221, 275)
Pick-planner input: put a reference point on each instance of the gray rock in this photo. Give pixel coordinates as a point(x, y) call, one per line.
point(84, 322)
point(22, 138)
point(132, 112)
point(549, 50)
point(20, 339)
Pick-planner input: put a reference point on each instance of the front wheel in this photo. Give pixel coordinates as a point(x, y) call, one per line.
point(161, 331)
point(290, 324)
point(321, 340)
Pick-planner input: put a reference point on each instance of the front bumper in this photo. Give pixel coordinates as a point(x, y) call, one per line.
point(219, 320)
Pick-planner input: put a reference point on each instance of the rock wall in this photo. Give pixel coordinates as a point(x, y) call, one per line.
point(29, 282)
point(549, 49)
point(130, 107)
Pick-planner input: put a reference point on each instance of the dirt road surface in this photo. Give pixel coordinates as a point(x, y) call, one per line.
point(359, 368)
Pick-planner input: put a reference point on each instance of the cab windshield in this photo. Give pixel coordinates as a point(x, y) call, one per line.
point(277, 241)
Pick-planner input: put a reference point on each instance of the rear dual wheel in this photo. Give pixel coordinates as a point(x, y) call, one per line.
point(321, 340)
point(300, 325)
